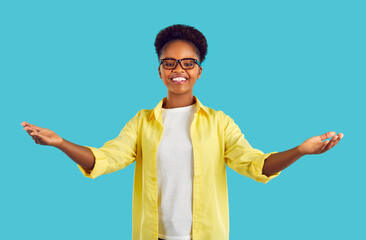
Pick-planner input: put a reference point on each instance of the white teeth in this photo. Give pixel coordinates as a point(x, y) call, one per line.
point(178, 79)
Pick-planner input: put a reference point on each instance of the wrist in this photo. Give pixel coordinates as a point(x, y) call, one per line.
point(300, 151)
point(59, 143)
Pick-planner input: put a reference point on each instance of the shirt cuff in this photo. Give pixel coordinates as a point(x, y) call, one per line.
point(257, 169)
point(100, 164)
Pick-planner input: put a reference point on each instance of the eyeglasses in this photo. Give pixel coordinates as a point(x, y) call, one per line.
point(185, 63)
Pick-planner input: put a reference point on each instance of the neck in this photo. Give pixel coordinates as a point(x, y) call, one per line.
point(176, 101)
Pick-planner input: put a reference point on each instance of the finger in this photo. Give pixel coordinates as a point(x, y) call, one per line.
point(34, 137)
point(36, 140)
point(325, 145)
point(35, 127)
point(39, 141)
point(331, 143)
point(341, 135)
point(38, 137)
point(337, 141)
point(35, 134)
point(29, 129)
point(326, 135)
point(25, 124)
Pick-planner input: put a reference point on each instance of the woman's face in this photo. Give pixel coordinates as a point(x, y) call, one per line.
point(179, 49)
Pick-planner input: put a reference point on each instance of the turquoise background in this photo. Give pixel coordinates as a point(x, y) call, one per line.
point(283, 70)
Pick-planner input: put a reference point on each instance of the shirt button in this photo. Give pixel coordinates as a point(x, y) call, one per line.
point(154, 179)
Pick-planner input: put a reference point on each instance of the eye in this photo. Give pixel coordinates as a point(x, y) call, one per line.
point(169, 63)
point(188, 63)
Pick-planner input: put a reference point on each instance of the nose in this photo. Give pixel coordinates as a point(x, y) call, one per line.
point(178, 68)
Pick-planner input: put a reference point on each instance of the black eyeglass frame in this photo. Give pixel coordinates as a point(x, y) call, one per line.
point(180, 63)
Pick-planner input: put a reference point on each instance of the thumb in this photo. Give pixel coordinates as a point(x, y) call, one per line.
point(327, 135)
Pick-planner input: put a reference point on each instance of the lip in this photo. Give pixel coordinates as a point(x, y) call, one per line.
point(178, 76)
point(171, 79)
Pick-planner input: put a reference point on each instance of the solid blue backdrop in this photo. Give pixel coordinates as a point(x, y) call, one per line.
point(283, 70)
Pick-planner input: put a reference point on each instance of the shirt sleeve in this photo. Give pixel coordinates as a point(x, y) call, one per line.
point(241, 156)
point(115, 154)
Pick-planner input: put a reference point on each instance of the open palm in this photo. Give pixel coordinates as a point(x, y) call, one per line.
point(315, 145)
point(42, 136)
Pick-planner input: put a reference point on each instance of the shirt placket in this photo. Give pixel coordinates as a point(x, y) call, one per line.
point(155, 209)
point(197, 181)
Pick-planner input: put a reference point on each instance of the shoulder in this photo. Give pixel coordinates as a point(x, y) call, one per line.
point(143, 114)
point(224, 120)
point(218, 114)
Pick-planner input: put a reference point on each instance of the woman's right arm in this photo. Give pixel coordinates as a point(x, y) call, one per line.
point(79, 154)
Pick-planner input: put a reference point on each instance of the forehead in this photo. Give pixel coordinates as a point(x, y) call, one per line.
point(179, 49)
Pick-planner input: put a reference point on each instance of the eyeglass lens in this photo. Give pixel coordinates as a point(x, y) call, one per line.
point(171, 64)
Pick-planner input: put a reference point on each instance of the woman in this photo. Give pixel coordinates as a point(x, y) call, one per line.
point(180, 148)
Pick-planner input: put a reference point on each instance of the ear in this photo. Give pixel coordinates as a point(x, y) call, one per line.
point(159, 72)
point(199, 72)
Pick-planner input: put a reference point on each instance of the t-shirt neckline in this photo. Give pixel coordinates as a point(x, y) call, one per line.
point(186, 108)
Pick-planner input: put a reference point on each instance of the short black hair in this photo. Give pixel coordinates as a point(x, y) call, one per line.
point(182, 32)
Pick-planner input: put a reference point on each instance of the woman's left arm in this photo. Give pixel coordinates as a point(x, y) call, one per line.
point(314, 145)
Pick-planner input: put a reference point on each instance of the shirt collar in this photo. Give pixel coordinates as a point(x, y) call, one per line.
point(156, 112)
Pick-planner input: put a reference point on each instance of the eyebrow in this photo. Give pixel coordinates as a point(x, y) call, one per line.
point(180, 58)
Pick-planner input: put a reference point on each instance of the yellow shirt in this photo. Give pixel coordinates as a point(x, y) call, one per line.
point(216, 140)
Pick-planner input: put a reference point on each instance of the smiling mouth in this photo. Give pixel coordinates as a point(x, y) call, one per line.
point(179, 80)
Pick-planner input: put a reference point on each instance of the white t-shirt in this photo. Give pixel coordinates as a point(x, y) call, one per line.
point(175, 174)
